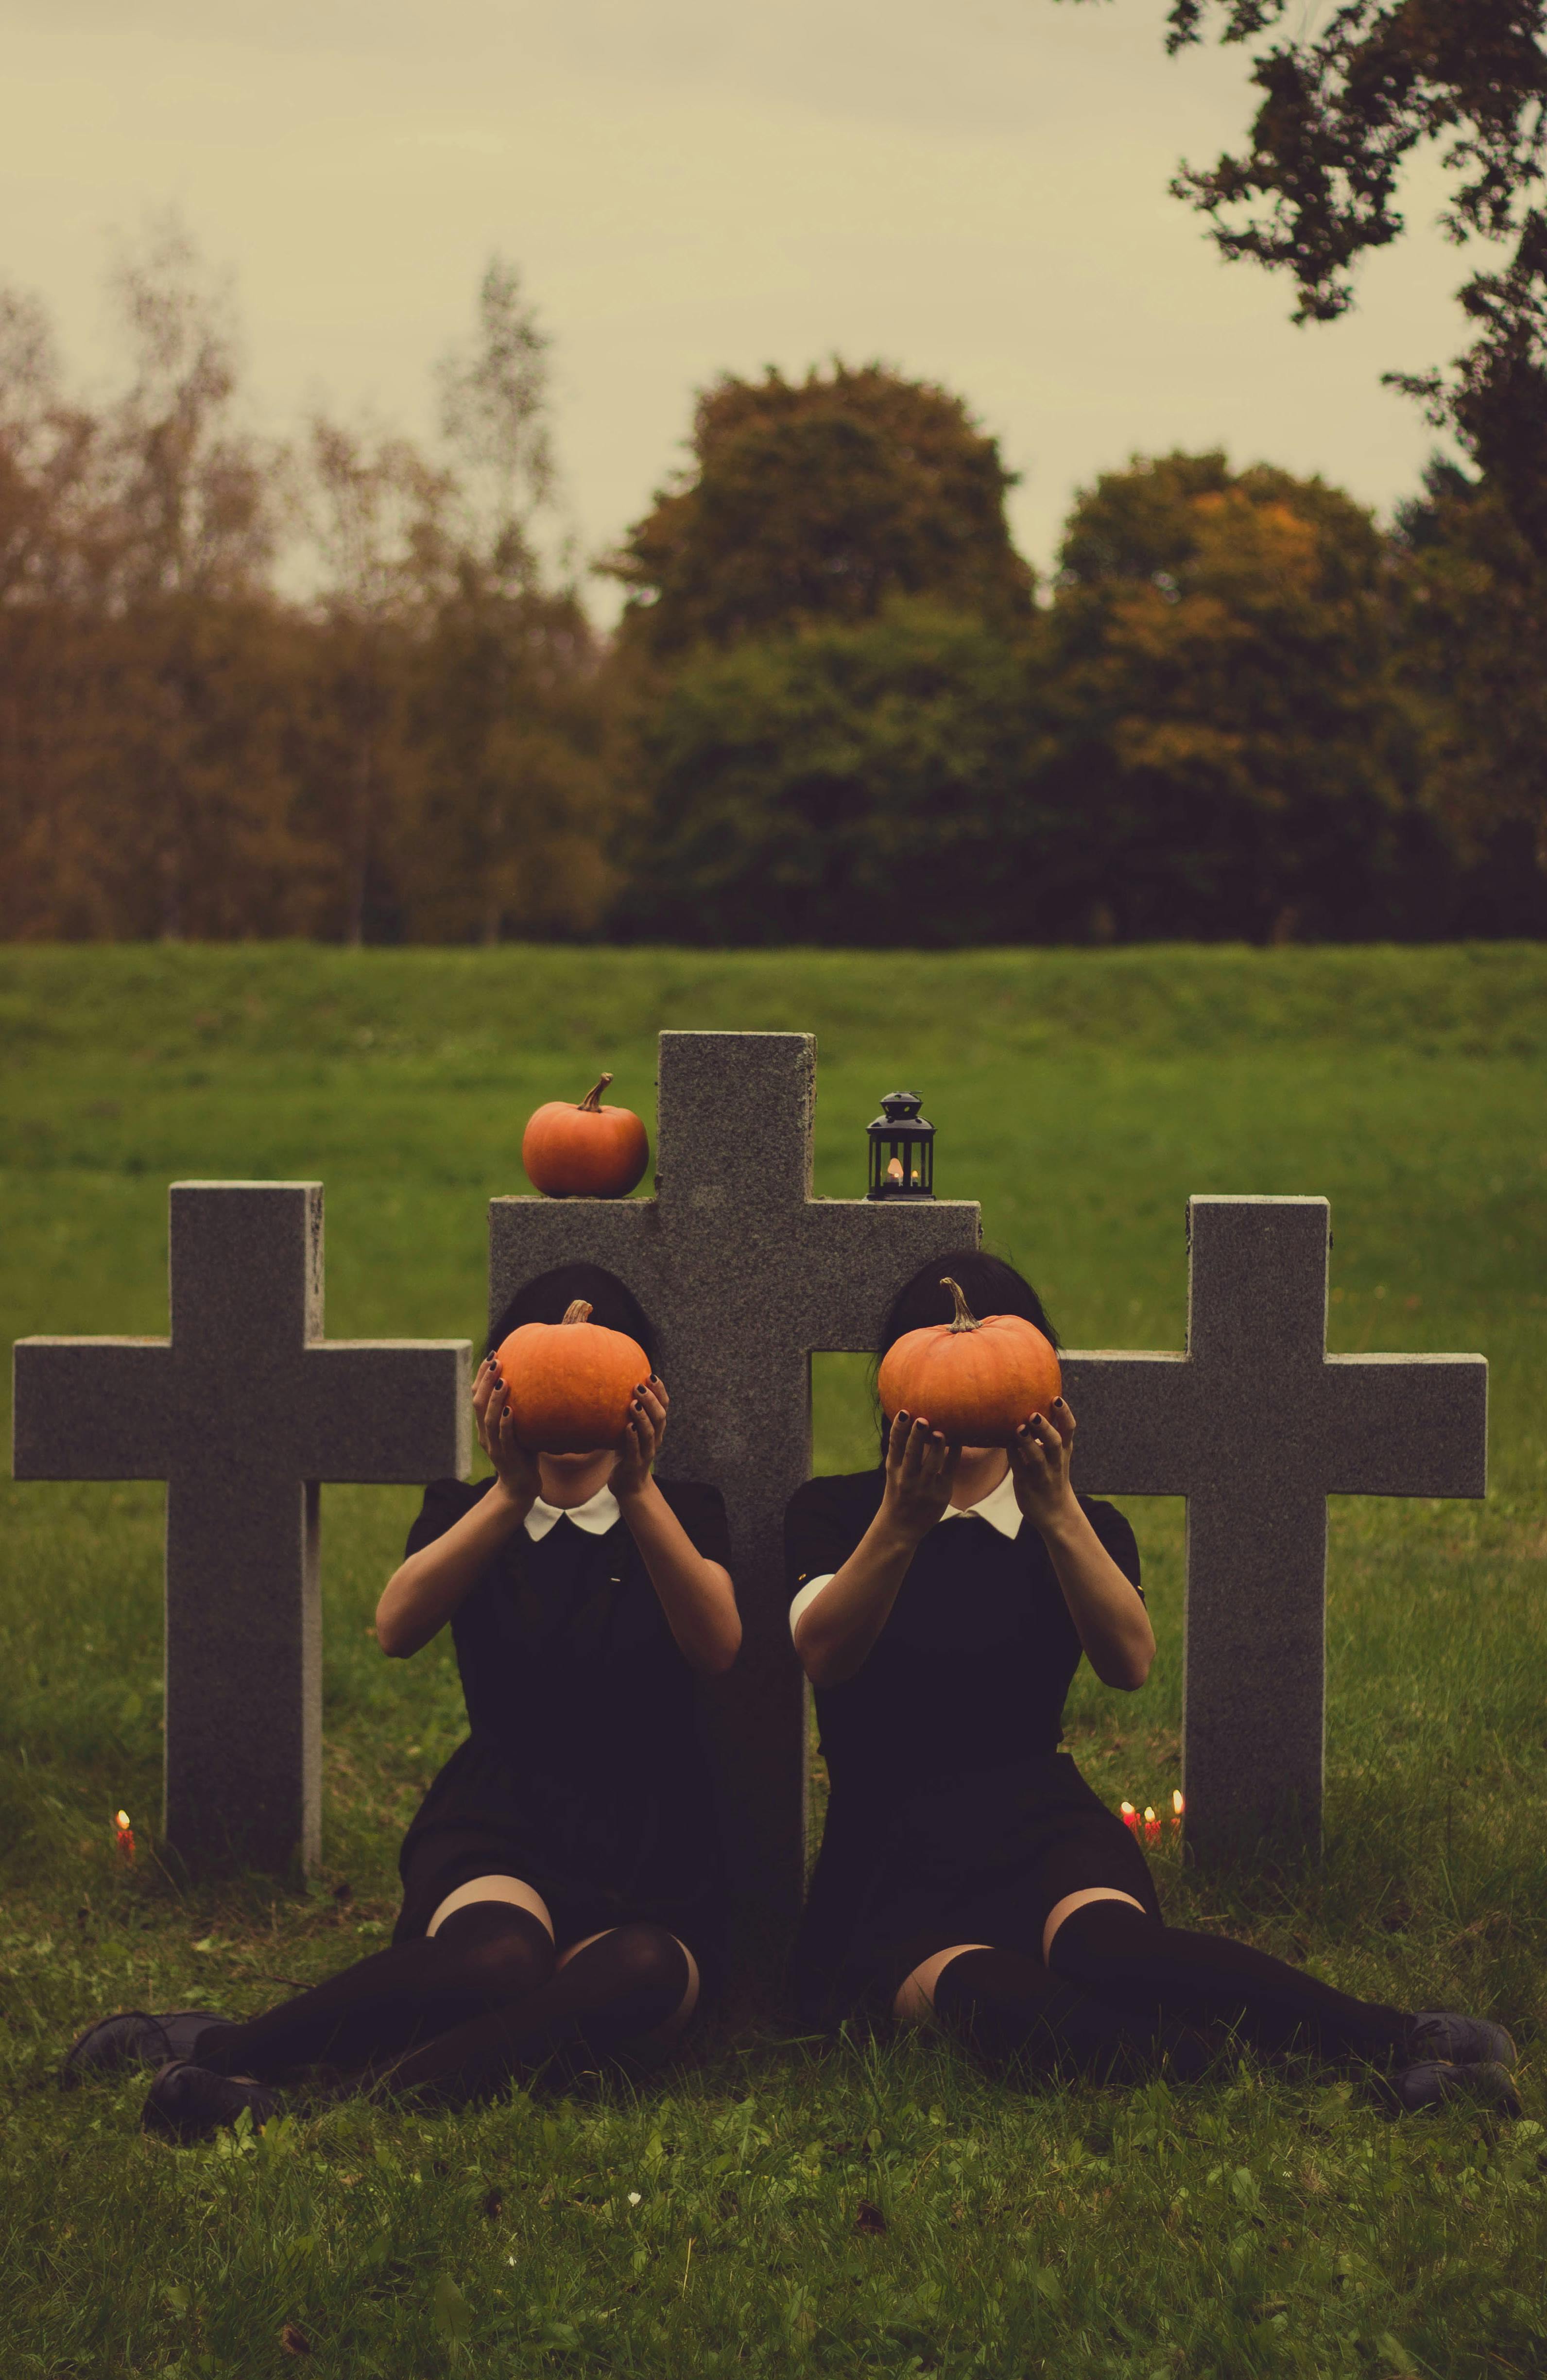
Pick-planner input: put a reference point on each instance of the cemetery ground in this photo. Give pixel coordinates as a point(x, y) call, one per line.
point(782, 2204)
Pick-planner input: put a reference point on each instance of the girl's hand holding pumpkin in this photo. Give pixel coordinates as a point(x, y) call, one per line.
point(921, 1472)
point(1039, 1459)
point(516, 1466)
point(640, 1445)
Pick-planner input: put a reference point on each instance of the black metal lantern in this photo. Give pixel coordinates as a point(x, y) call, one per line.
point(902, 1150)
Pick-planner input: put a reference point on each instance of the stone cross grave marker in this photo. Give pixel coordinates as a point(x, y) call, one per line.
point(744, 1275)
point(243, 1411)
point(1256, 1425)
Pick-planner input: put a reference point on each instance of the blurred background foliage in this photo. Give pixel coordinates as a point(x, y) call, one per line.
point(347, 687)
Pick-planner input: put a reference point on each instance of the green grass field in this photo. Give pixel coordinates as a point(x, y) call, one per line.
point(1255, 2224)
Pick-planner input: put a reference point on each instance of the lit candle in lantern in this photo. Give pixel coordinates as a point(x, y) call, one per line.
point(124, 1838)
point(1178, 1806)
point(1131, 1818)
point(1152, 1826)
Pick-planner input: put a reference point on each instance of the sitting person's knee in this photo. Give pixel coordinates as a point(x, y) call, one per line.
point(499, 1949)
point(651, 1960)
point(1091, 1935)
point(641, 1985)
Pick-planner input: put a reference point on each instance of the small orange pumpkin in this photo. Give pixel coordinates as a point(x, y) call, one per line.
point(588, 1151)
point(569, 1384)
point(975, 1383)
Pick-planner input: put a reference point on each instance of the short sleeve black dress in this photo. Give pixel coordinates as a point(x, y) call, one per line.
point(953, 1817)
point(583, 1773)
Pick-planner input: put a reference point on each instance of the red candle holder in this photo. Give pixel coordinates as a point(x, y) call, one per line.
point(1152, 1826)
point(123, 1835)
point(1131, 1818)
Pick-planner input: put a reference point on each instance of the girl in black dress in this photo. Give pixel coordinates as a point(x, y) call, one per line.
point(562, 1880)
point(940, 1605)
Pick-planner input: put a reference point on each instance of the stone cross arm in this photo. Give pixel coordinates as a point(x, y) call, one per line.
point(353, 1409)
point(1149, 1424)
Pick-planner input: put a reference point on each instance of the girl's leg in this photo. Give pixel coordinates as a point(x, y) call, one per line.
point(1112, 1949)
point(1007, 2005)
point(636, 1983)
point(914, 2000)
point(676, 2023)
point(489, 1941)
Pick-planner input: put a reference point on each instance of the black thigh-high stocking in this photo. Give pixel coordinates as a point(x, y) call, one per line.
point(1152, 1971)
point(619, 1990)
point(483, 1954)
point(1007, 2005)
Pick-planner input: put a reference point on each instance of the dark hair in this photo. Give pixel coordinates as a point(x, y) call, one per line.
point(545, 1299)
point(988, 1285)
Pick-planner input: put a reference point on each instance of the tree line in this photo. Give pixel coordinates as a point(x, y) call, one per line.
point(344, 687)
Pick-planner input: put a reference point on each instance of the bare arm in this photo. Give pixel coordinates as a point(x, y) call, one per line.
point(1108, 1614)
point(834, 1634)
point(696, 1594)
point(424, 1591)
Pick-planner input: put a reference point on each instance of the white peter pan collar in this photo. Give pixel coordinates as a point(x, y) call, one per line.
point(999, 1508)
point(595, 1516)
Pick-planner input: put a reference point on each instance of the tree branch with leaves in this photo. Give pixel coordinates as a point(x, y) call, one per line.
point(1345, 110)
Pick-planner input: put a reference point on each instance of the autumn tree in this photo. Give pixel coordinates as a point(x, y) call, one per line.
point(46, 447)
point(1472, 653)
point(409, 745)
point(154, 797)
point(821, 499)
point(193, 794)
point(373, 508)
point(1231, 750)
point(495, 421)
point(506, 832)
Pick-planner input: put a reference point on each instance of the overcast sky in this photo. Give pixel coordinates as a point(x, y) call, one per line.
point(974, 190)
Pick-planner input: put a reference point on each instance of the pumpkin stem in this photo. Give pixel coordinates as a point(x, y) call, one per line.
point(962, 1318)
point(591, 1103)
point(578, 1309)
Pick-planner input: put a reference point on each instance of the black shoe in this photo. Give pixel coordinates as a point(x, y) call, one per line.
point(136, 2039)
point(188, 2102)
point(1484, 2081)
point(1437, 2034)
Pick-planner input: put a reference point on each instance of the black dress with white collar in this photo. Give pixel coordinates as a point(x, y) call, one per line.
point(954, 1817)
point(583, 1774)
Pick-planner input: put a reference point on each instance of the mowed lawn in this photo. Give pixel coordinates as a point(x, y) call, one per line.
point(783, 2204)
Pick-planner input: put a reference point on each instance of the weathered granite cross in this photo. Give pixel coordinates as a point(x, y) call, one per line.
point(746, 1274)
point(1257, 1426)
point(242, 1412)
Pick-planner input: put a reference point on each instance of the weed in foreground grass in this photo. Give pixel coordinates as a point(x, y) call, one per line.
point(776, 2206)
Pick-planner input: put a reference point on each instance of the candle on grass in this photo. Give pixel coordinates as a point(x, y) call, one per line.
point(1131, 1818)
point(123, 1835)
point(1178, 1806)
point(1152, 1826)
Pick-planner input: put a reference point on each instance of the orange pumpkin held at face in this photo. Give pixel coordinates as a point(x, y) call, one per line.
point(569, 1384)
point(588, 1151)
point(975, 1383)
